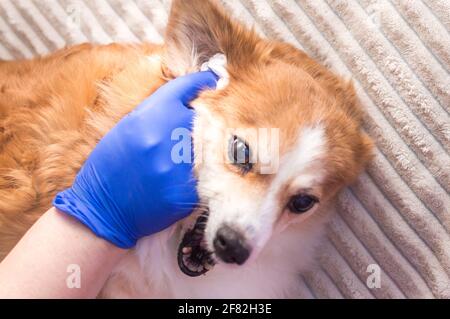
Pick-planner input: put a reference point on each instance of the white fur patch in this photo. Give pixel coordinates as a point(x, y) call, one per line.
point(301, 169)
point(302, 162)
point(155, 58)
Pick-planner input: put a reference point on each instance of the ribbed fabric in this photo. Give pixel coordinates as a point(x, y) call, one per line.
point(397, 215)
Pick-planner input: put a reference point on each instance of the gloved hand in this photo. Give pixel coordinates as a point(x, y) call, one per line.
point(130, 187)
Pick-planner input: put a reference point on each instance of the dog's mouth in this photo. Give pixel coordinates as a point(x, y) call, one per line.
point(194, 258)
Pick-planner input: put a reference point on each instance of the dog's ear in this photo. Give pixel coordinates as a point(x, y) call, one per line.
point(199, 29)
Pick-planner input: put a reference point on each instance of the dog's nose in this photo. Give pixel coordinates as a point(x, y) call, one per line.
point(230, 246)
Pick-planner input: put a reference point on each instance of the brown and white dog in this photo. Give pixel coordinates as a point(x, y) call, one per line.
point(253, 232)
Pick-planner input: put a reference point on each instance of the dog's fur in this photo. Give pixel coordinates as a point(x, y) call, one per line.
point(53, 111)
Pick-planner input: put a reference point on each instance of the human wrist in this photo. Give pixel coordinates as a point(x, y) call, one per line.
point(70, 204)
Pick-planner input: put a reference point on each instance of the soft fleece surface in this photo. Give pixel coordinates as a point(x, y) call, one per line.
point(397, 215)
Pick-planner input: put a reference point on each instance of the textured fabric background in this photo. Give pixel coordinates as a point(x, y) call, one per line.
point(397, 216)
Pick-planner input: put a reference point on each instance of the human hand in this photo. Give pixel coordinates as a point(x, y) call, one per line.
point(130, 187)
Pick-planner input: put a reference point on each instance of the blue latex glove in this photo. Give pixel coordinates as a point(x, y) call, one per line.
point(130, 187)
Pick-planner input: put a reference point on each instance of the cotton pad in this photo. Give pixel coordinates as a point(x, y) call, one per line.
point(218, 64)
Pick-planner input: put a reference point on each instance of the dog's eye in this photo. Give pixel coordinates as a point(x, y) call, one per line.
point(239, 154)
point(302, 203)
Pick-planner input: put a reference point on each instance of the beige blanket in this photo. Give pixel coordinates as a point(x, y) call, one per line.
point(391, 235)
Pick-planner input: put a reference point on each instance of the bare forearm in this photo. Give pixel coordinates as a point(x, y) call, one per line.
point(52, 256)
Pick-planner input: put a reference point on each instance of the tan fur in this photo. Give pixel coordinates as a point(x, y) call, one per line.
point(53, 110)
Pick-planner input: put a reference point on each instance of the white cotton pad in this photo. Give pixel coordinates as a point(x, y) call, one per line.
point(218, 64)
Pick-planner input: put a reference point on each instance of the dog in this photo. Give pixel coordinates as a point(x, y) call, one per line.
point(254, 230)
